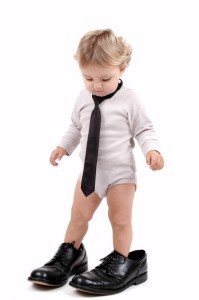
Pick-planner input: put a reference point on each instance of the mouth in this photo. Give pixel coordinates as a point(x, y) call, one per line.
point(97, 93)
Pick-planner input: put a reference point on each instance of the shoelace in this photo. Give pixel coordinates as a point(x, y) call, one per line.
point(109, 260)
point(61, 251)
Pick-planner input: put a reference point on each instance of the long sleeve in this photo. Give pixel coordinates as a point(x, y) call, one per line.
point(142, 128)
point(71, 138)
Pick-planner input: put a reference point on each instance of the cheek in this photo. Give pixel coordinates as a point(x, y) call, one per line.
point(112, 86)
point(88, 85)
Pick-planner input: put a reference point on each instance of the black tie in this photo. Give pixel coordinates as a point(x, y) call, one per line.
point(89, 172)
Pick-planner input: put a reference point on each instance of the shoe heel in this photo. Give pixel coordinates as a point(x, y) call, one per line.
point(140, 279)
point(83, 268)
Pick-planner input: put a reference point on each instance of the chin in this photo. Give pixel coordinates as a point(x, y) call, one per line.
point(101, 94)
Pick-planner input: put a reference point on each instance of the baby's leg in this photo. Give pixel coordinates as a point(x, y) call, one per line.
point(116, 272)
point(120, 202)
point(82, 212)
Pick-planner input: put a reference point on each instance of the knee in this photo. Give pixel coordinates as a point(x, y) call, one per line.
point(80, 217)
point(119, 221)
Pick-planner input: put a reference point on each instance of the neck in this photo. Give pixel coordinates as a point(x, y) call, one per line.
point(100, 99)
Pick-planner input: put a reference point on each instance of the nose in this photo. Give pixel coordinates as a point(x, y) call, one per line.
point(97, 86)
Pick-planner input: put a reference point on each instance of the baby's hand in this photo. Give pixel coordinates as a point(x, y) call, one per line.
point(155, 160)
point(57, 154)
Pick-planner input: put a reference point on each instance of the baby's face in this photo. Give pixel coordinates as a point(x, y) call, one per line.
point(101, 81)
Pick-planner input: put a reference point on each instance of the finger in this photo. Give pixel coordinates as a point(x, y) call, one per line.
point(155, 163)
point(154, 168)
point(60, 155)
point(53, 158)
point(148, 160)
point(53, 162)
point(158, 165)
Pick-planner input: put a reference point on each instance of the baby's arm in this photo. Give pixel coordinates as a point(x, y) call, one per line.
point(70, 140)
point(143, 130)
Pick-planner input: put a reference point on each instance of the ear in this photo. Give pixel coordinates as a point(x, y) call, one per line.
point(122, 69)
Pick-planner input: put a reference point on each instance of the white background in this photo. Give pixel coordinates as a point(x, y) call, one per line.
point(39, 83)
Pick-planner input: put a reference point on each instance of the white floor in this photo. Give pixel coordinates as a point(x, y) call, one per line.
point(39, 84)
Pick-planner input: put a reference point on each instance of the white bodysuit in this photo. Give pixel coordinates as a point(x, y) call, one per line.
point(123, 119)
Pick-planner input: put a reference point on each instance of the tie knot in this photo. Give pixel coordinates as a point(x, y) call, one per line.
point(96, 100)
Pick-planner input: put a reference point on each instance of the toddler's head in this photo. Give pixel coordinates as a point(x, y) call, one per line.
point(103, 48)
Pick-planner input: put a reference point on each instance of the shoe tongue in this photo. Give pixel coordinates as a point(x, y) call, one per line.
point(63, 248)
point(67, 245)
point(119, 254)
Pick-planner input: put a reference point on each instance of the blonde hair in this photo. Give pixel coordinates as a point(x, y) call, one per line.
point(103, 48)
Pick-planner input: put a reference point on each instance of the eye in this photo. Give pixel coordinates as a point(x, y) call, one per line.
point(88, 79)
point(107, 79)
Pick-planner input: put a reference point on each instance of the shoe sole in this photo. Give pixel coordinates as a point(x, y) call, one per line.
point(41, 281)
point(135, 281)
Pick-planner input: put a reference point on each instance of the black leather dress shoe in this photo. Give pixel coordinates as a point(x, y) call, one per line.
point(66, 262)
point(114, 274)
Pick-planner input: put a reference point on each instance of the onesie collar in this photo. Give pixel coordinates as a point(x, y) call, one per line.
point(100, 99)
